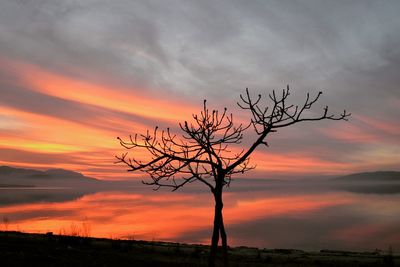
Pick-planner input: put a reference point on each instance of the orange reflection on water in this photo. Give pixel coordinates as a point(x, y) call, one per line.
point(252, 209)
point(159, 215)
point(114, 214)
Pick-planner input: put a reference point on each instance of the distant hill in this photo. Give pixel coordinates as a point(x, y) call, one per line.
point(54, 185)
point(19, 177)
point(382, 182)
point(380, 176)
point(6, 170)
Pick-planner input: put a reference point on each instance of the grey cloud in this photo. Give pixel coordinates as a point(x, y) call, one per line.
point(90, 39)
point(31, 101)
point(15, 155)
point(51, 159)
point(205, 48)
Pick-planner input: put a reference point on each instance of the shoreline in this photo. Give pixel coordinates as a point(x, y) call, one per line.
point(17, 249)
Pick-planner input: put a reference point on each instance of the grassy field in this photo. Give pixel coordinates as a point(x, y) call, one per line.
point(21, 249)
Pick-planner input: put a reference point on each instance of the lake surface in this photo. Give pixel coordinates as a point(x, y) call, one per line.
point(261, 214)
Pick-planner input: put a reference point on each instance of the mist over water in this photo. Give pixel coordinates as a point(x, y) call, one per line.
point(305, 215)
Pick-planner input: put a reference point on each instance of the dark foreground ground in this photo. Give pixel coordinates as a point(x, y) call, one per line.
point(20, 249)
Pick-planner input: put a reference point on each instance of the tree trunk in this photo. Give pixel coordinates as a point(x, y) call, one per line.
point(215, 236)
point(218, 230)
point(224, 242)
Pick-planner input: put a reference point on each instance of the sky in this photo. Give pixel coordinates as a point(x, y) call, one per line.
point(74, 75)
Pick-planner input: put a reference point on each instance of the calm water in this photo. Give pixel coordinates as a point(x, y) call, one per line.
point(260, 214)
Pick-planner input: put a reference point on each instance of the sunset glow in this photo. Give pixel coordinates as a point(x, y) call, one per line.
point(284, 116)
point(37, 132)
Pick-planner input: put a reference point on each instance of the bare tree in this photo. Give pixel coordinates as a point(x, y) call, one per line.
point(203, 152)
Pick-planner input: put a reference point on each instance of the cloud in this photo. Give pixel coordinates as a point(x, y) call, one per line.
point(270, 43)
point(151, 60)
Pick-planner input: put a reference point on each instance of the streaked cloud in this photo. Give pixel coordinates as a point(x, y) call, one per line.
point(76, 74)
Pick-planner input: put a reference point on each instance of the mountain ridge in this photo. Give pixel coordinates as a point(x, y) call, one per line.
point(377, 176)
point(51, 177)
point(62, 177)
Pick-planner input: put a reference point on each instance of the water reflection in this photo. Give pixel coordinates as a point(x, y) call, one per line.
point(303, 217)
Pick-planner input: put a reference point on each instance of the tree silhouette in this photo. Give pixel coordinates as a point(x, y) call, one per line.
point(203, 152)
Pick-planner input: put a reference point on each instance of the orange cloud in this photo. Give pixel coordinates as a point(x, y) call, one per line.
point(295, 163)
point(382, 125)
point(42, 133)
point(129, 100)
point(350, 133)
point(91, 139)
